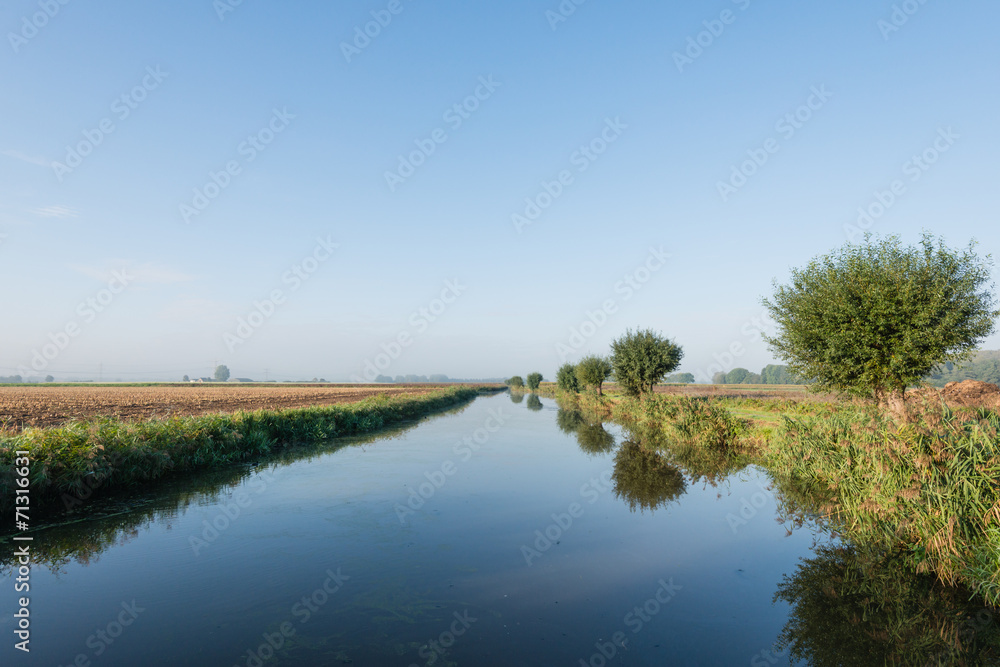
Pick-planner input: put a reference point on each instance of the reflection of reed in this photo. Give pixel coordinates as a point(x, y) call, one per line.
point(853, 606)
point(119, 517)
point(644, 479)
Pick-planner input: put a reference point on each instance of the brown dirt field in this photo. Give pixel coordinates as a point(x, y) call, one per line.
point(39, 405)
point(968, 393)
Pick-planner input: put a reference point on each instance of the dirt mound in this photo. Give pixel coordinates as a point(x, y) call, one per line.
point(972, 393)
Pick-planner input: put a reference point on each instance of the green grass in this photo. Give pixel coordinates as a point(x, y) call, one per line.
point(111, 454)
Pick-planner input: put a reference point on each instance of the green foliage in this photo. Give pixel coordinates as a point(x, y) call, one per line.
point(641, 359)
point(566, 379)
point(516, 382)
point(592, 371)
point(737, 376)
point(871, 319)
point(534, 379)
point(534, 403)
point(719, 378)
point(679, 378)
point(221, 373)
point(777, 374)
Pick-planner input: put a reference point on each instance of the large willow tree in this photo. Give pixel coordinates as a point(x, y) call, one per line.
point(871, 319)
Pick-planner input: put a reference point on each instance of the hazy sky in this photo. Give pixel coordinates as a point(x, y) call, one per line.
point(472, 181)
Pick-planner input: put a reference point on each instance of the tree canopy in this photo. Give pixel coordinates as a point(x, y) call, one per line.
point(566, 379)
point(534, 379)
point(641, 359)
point(222, 373)
point(592, 371)
point(873, 318)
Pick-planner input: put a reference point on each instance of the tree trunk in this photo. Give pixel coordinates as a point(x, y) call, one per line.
point(896, 400)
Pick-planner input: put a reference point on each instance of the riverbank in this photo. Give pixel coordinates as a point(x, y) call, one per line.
point(926, 491)
point(84, 457)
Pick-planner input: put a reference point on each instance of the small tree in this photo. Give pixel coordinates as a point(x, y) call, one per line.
point(566, 379)
point(534, 379)
point(221, 373)
point(515, 382)
point(680, 378)
point(737, 376)
point(593, 371)
point(185, 379)
point(871, 319)
point(719, 378)
point(49, 378)
point(641, 359)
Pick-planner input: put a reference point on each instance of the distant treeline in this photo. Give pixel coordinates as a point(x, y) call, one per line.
point(984, 366)
point(770, 374)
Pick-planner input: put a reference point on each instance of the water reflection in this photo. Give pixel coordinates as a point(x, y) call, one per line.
point(855, 606)
point(534, 403)
point(644, 479)
point(82, 534)
point(590, 435)
point(516, 397)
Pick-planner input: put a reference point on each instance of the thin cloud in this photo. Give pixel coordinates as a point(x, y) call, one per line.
point(56, 212)
point(17, 155)
point(147, 273)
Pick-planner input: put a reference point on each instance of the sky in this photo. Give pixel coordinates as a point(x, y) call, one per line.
point(476, 189)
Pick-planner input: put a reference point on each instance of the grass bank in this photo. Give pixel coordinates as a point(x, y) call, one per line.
point(109, 454)
point(928, 491)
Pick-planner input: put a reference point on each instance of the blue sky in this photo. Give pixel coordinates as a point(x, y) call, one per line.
point(278, 140)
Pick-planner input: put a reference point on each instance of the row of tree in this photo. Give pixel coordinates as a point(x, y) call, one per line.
point(533, 382)
point(983, 366)
point(770, 374)
point(638, 361)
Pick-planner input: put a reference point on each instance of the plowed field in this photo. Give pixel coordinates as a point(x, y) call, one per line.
point(41, 405)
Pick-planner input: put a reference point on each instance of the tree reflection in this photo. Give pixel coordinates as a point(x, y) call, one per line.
point(516, 397)
point(591, 436)
point(534, 403)
point(644, 479)
point(853, 606)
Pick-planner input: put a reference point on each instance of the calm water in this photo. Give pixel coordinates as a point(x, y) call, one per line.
point(499, 534)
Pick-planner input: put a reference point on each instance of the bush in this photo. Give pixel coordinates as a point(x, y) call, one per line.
point(515, 382)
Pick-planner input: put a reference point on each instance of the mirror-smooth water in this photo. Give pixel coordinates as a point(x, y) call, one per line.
point(503, 533)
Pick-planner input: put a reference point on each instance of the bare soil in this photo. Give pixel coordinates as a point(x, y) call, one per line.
point(41, 405)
